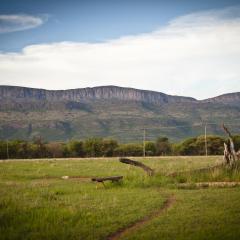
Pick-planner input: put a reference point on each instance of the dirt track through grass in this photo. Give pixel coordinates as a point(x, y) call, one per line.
point(138, 224)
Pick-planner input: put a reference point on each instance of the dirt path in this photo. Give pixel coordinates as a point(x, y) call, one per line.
point(138, 224)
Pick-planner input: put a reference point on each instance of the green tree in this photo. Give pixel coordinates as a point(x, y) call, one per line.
point(163, 147)
point(130, 149)
point(55, 149)
point(40, 150)
point(236, 140)
point(108, 147)
point(93, 147)
point(3, 150)
point(196, 146)
point(74, 148)
point(187, 147)
point(150, 148)
point(214, 145)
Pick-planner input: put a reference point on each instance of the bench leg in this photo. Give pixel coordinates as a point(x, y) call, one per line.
point(103, 184)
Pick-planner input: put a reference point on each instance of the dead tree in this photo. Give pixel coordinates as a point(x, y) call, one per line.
point(147, 169)
point(230, 155)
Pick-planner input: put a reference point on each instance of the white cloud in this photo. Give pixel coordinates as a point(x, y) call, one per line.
point(194, 55)
point(14, 23)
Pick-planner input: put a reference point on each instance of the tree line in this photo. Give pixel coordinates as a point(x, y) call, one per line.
point(99, 147)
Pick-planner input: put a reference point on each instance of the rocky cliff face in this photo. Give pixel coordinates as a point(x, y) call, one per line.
point(96, 93)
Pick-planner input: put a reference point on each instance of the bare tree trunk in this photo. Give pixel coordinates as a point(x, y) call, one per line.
point(226, 157)
point(230, 155)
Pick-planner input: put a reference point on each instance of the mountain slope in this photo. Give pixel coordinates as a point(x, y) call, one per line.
point(109, 111)
point(230, 98)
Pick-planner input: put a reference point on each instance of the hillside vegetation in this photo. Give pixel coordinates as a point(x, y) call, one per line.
point(113, 112)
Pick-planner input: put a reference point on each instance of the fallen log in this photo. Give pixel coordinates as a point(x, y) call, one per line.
point(147, 169)
point(209, 184)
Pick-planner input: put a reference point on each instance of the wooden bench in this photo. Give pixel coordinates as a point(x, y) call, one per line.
point(103, 179)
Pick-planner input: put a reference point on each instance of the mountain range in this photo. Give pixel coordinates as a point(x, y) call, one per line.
point(111, 111)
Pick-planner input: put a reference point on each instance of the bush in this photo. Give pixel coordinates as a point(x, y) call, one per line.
point(108, 147)
point(130, 149)
point(74, 149)
point(55, 150)
point(93, 147)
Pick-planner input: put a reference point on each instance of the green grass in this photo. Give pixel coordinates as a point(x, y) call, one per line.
point(197, 214)
point(217, 174)
point(35, 203)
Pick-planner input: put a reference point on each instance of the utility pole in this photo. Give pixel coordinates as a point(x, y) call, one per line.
point(7, 150)
point(206, 147)
point(144, 142)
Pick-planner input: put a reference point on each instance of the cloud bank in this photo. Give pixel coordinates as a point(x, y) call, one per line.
point(14, 23)
point(194, 55)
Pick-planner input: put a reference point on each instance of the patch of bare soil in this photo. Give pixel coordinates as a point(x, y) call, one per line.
point(77, 178)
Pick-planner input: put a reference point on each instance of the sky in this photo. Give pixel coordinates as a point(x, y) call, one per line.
point(188, 48)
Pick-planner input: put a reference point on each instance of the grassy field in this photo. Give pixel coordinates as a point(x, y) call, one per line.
point(35, 203)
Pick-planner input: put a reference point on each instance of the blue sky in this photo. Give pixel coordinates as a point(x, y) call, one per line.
point(180, 47)
point(95, 20)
